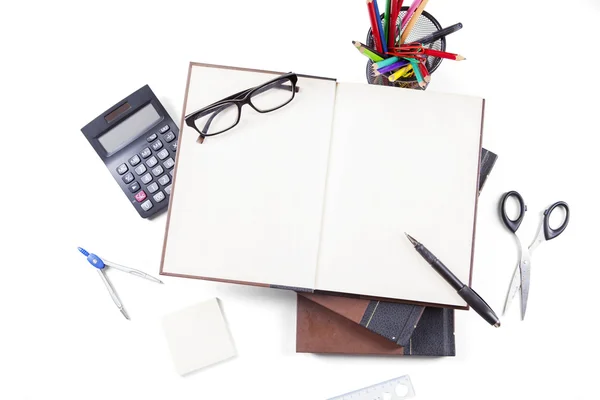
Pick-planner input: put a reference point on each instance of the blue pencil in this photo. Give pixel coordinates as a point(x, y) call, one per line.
point(381, 32)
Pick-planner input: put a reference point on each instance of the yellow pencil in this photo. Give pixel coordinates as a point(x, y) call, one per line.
point(400, 73)
point(413, 21)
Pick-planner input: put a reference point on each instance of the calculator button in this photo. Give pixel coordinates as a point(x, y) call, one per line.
point(169, 163)
point(156, 145)
point(146, 205)
point(146, 178)
point(157, 171)
point(169, 137)
point(135, 160)
point(163, 180)
point(168, 189)
point(128, 178)
point(145, 153)
point(158, 197)
point(174, 147)
point(171, 172)
point(164, 129)
point(134, 187)
point(121, 169)
point(164, 153)
point(140, 196)
point(153, 187)
point(151, 137)
point(151, 162)
point(140, 169)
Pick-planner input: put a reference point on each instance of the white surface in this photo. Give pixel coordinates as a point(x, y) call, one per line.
point(198, 336)
point(232, 194)
point(385, 179)
point(61, 336)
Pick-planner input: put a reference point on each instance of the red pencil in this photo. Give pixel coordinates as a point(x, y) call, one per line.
point(374, 26)
point(424, 72)
point(443, 54)
point(396, 6)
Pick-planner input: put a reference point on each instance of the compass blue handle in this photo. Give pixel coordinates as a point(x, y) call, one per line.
point(92, 258)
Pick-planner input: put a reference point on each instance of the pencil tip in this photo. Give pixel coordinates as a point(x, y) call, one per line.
point(460, 58)
point(412, 240)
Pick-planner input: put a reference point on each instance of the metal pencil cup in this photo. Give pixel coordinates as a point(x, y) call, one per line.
point(425, 25)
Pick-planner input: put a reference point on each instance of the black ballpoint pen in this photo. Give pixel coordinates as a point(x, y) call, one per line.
point(469, 295)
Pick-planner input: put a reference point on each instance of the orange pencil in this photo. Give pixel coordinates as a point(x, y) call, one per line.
point(413, 20)
point(374, 26)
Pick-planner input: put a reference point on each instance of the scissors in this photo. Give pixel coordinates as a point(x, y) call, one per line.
point(101, 265)
point(521, 277)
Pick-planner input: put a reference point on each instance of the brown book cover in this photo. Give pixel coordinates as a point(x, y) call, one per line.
point(320, 330)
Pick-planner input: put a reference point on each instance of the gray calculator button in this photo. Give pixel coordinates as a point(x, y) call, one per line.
point(145, 153)
point(163, 180)
point(153, 187)
point(135, 160)
point(151, 137)
point(164, 153)
point(121, 169)
point(134, 187)
point(173, 147)
point(168, 189)
point(146, 178)
point(140, 169)
point(171, 172)
point(146, 205)
point(128, 178)
point(157, 171)
point(156, 145)
point(169, 137)
point(158, 197)
point(151, 162)
point(164, 129)
point(169, 163)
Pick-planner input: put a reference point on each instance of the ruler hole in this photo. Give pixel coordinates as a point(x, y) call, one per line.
point(401, 390)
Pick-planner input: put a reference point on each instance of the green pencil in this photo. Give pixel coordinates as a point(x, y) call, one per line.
point(386, 18)
point(367, 51)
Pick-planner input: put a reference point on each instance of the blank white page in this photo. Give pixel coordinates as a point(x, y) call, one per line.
point(401, 161)
point(247, 204)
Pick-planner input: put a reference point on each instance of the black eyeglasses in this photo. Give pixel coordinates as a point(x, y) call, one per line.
point(225, 114)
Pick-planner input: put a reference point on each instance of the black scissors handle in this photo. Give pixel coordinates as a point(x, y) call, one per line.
point(550, 233)
point(511, 224)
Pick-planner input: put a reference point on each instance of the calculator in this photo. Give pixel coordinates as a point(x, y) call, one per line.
point(137, 141)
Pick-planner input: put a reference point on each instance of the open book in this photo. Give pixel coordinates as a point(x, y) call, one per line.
point(317, 195)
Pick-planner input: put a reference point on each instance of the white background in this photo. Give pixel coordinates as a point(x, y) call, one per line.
point(63, 63)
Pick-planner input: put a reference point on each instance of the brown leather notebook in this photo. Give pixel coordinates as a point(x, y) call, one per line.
point(319, 330)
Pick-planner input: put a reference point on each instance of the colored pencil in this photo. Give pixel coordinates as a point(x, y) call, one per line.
point(409, 13)
point(391, 37)
point(439, 34)
point(391, 67)
point(385, 62)
point(367, 51)
point(443, 54)
point(386, 19)
point(375, 26)
point(424, 72)
point(399, 74)
point(380, 27)
point(415, 67)
point(413, 21)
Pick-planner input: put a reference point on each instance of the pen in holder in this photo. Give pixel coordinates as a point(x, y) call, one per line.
point(425, 25)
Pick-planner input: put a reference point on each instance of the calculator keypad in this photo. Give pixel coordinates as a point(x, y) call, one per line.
point(156, 145)
point(121, 169)
point(151, 162)
point(145, 153)
point(140, 169)
point(154, 168)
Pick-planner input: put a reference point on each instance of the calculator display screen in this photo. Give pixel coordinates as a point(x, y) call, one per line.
point(129, 129)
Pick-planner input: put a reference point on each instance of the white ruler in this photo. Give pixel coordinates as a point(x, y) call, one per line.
point(394, 389)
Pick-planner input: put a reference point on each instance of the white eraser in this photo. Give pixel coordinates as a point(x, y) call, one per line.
point(198, 336)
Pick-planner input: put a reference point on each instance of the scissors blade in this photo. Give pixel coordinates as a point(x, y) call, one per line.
point(513, 289)
point(525, 267)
